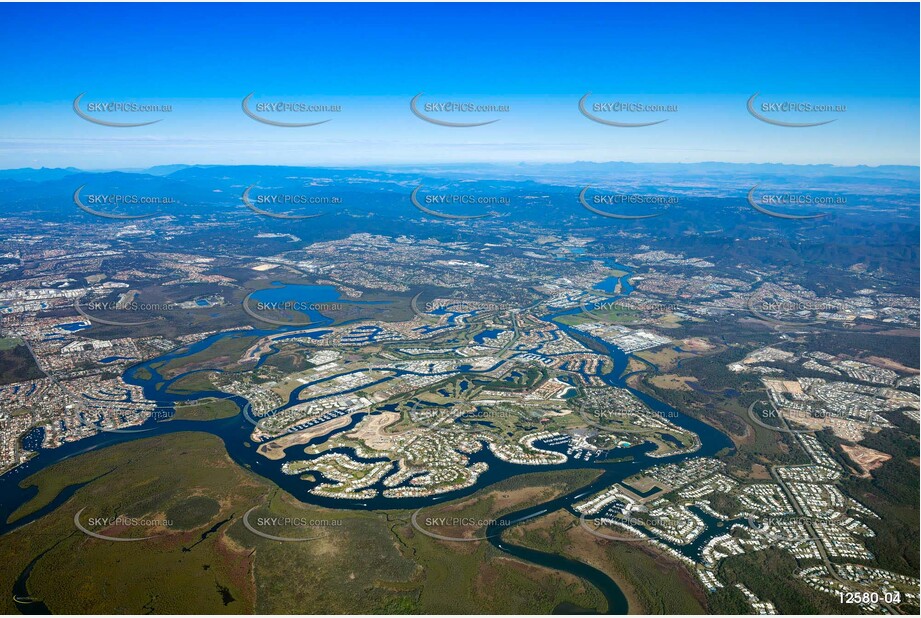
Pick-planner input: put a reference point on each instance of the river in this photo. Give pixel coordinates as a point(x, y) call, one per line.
point(235, 433)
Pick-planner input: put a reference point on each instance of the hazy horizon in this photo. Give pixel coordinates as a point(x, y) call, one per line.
point(697, 66)
point(503, 165)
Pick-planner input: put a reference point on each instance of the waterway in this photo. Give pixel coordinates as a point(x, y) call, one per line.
point(235, 433)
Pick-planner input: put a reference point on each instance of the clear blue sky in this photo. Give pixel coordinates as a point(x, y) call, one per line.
point(537, 59)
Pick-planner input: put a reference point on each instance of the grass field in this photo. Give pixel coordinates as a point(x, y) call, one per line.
point(222, 352)
point(185, 479)
point(206, 410)
point(8, 343)
point(618, 315)
point(203, 558)
point(193, 383)
point(16, 362)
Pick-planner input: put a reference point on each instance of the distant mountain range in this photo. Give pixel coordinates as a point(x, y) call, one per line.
point(538, 171)
point(709, 194)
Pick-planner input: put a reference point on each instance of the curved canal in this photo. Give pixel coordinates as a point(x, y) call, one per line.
point(235, 433)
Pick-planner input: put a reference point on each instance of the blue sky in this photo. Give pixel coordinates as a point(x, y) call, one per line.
point(539, 60)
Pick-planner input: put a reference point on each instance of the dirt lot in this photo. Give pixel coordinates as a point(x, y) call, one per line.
point(867, 458)
point(371, 431)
